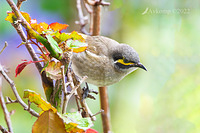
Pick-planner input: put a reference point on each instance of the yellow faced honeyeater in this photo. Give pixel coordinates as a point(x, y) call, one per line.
point(105, 61)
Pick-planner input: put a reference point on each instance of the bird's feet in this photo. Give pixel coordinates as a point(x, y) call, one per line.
point(87, 91)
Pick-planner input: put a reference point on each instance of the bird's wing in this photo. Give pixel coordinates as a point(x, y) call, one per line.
point(100, 45)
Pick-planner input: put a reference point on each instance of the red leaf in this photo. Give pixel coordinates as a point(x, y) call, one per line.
point(21, 66)
point(57, 26)
point(90, 130)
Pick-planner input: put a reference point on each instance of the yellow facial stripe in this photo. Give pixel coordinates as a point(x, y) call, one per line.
point(122, 62)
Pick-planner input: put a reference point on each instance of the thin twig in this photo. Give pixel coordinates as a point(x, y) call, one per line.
point(19, 3)
point(86, 112)
point(12, 85)
point(90, 11)
point(82, 19)
point(9, 100)
point(98, 112)
point(6, 44)
point(5, 110)
point(73, 87)
point(97, 2)
point(3, 130)
point(29, 106)
point(64, 90)
point(87, 7)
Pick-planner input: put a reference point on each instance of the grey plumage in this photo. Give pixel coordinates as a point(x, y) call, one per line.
point(98, 64)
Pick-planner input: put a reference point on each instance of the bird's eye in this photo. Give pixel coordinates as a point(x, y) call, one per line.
point(121, 62)
point(126, 61)
point(117, 56)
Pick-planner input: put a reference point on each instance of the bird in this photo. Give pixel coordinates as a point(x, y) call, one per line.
point(105, 61)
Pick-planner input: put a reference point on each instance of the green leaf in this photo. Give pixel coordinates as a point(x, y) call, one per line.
point(75, 121)
point(53, 43)
point(76, 45)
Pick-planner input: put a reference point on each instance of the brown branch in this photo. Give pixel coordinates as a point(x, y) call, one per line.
point(5, 110)
point(96, 20)
point(12, 85)
point(105, 115)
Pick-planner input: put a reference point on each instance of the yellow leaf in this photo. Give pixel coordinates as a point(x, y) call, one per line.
point(78, 50)
point(40, 27)
point(75, 36)
point(11, 17)
point(38, 100)
point(26, 16)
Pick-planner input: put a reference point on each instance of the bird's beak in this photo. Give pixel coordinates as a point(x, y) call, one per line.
point(140, 66)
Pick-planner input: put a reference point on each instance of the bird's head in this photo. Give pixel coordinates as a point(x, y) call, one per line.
point(126, 59)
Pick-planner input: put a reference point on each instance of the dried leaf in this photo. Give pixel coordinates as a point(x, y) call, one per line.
point(53, 70)
point(38, 100)
point(49, 122)
point(57, 26)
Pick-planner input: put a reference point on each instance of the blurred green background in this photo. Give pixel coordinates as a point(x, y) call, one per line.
point(165, 33)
